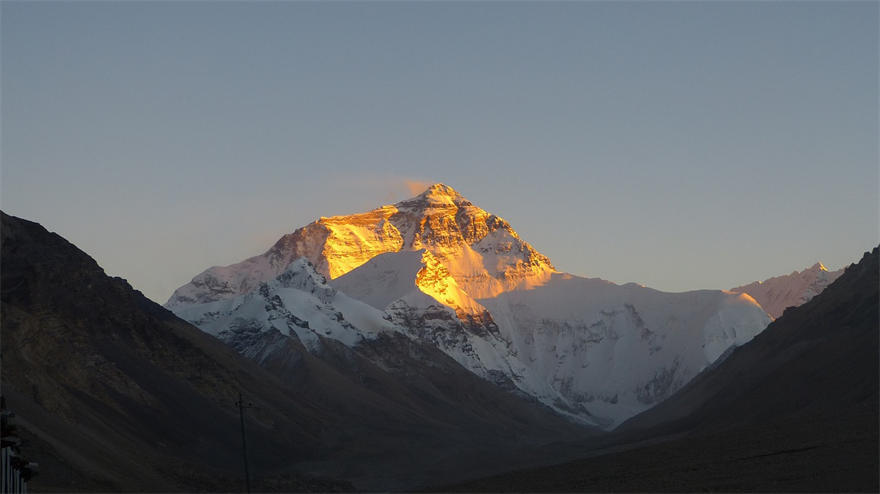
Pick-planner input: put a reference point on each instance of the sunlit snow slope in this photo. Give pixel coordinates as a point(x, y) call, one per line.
point(442, 271)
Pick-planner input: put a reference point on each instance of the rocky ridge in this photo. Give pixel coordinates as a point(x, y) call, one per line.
point(481, 251)
point(781, 292)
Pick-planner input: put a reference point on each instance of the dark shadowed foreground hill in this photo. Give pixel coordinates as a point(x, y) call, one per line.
point(795, 409)
point(113, 392)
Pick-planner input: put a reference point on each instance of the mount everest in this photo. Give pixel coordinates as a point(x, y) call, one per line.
point(481, 250)
point(441, 271)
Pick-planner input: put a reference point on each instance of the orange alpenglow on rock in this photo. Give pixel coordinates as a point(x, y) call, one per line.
point(481, 253)
point(447, 274)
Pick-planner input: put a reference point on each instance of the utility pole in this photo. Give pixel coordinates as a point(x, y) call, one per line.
point(241, 408)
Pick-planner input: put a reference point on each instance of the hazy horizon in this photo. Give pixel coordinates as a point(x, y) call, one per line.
point(678, 145)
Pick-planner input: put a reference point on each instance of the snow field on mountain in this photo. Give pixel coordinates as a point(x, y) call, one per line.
point(302, 305)
point(383, 279)
point(780, 292)
point(448, 274)
point(611, 351)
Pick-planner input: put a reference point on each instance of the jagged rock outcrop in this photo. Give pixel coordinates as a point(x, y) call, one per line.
point(481, 251)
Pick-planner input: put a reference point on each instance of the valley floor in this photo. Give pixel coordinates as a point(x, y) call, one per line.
point(806, 454)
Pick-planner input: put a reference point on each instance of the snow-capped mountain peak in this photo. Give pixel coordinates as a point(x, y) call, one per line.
point(436, 196)
point(444, 272)
point(780, 292)
point(481, 251)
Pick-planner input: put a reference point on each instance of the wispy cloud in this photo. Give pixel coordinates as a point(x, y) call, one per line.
point(386, 188)
point(416, 186)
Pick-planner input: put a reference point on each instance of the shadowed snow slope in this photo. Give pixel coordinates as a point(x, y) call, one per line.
point(298, 303)
point(610, 351)
point(816, 357)
point(793, 410)
point(591, 349)
point(442, 271)
point(781, 292)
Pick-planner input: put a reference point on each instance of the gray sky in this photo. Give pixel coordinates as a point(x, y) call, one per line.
point(681, 145)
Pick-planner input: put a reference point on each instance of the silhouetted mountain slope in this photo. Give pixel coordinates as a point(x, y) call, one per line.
point(414, 414)
point(113, 392)
point(795, 409)
point(124, 393)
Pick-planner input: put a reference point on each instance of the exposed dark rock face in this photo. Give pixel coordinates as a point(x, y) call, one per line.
point(439, 220)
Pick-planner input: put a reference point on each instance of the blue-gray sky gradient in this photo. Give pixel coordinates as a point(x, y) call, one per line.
point(681, 145)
